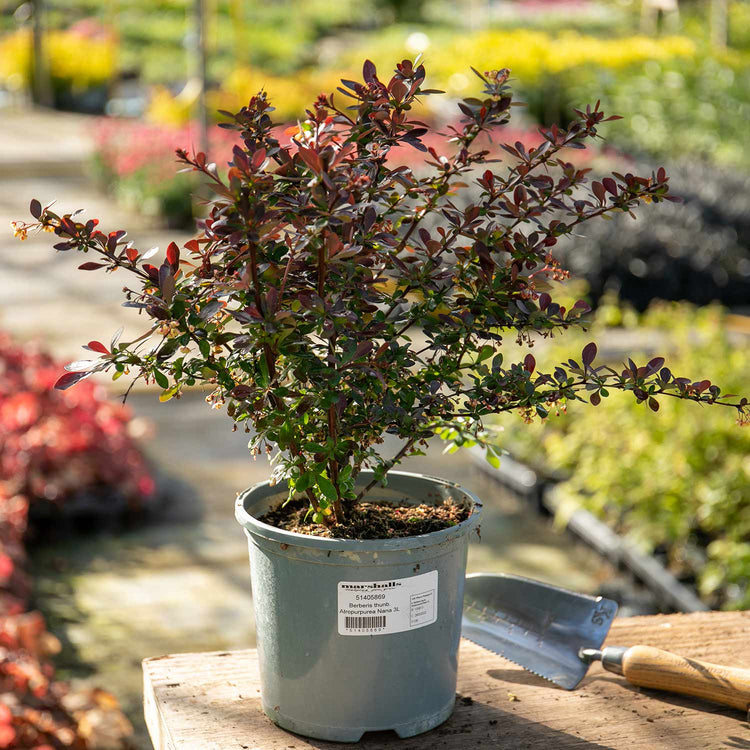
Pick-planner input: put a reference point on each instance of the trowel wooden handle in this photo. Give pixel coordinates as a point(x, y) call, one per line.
point(654, 668)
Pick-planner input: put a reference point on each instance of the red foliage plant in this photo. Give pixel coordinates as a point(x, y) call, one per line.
point(53, 445)
point(318, 262)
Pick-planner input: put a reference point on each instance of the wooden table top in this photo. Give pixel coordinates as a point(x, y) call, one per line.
point(211, 701)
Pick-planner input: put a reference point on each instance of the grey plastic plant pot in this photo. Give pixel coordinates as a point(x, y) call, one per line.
point(358, 636)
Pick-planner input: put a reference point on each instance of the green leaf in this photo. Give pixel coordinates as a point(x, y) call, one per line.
point(263, 367)
point(205, 347)
point(169, 393)
point(161, 379)
point(485, 353)
point(328, 489)
point(492, 459)
point(304, 481)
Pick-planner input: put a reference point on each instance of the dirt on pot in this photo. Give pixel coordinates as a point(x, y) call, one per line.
point(370, 520)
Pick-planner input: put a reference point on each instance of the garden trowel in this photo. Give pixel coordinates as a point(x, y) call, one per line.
point(556, 634)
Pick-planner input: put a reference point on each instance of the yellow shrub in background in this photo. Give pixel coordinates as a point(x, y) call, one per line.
point(76, 61)
point(15, 60)
point(166, 108)
point(531, 55)
point(83, 61)
point(290, 95)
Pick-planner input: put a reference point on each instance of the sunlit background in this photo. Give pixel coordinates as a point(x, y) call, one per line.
point(117, 540)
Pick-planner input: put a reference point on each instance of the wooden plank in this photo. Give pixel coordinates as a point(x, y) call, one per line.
point(212, 701)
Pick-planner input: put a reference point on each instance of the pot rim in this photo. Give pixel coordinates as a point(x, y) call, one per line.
point(255, 527)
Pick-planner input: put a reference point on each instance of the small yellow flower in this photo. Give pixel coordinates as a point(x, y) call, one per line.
point(19, 230)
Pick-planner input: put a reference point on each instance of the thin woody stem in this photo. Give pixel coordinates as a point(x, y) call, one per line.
point(389, 465)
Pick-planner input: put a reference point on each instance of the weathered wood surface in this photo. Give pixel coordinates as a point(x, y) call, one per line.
point(211, 701)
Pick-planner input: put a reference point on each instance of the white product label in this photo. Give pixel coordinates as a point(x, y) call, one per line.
point(380, 607)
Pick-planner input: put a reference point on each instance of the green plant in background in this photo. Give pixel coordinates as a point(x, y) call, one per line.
point(679, 479)
point(694, 106)
point(277, 37)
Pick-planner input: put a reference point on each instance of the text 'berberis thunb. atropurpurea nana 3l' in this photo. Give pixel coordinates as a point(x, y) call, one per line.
point(296, 300)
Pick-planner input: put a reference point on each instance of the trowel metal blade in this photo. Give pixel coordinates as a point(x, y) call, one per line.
point(539, 627)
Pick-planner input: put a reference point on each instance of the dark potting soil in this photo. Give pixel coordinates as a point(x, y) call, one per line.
point(370, 520)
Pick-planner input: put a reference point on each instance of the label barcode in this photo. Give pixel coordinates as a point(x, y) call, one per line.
point(358, 623)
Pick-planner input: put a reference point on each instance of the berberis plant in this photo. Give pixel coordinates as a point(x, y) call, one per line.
point(329, 298)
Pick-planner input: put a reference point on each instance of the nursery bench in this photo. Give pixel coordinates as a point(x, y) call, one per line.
point(211, 701)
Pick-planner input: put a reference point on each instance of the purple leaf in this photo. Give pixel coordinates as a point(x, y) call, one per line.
point(69, 379)
point(588, 354)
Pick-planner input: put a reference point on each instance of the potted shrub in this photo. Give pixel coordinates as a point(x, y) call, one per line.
point(329, 299)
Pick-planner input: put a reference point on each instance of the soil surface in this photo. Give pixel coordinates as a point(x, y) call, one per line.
point(369, 520)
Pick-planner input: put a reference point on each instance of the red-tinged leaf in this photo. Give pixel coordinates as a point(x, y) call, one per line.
point(653, 404)
point(588, 354)
point(258, 158)
point(167, 288)
point(702, 385)
point(544, 300)
point(91, 266)
point(69, 379)
point(661, 174)
point(610, 185)
point(595, 399)
point(132, 254)
point(598, 189)
point(311, 159)
point(272, 299)
point(656, 364)
point(529, 363)
point(97, 346)
point(36, 208)
point(193, 246)
point(398, 90)
point(242, 391)
point(68, 226)
point(369, 72)
point(519, 194)
point(364, 347)
point(173, 254)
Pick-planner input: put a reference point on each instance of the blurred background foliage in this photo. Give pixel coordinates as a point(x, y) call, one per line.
point(677, 482)
point(686, 94)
